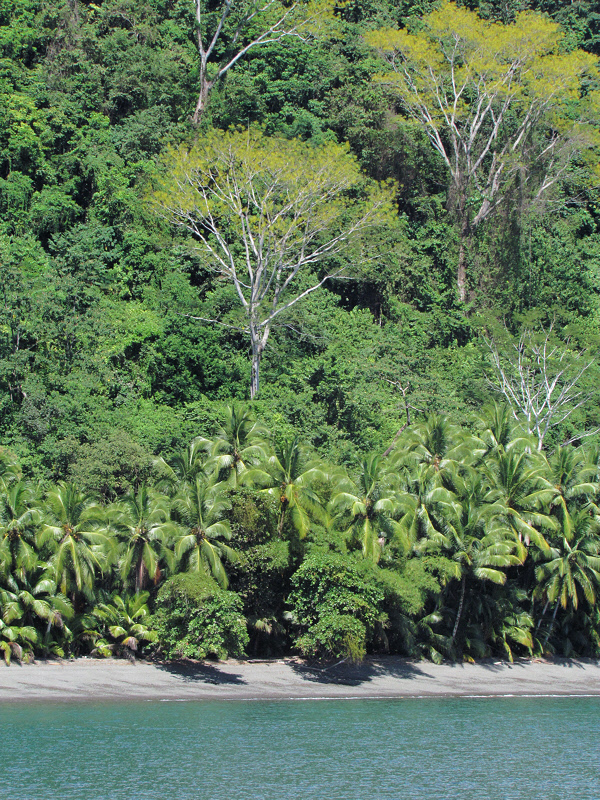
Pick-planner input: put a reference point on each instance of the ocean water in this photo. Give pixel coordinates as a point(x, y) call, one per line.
point(427, 749)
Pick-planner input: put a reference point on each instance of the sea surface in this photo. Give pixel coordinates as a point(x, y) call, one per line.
point(508, 748)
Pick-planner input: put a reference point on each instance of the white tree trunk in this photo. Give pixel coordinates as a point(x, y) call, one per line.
point(255, 376)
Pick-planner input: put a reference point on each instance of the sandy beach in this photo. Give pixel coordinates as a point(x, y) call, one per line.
point(109, 680)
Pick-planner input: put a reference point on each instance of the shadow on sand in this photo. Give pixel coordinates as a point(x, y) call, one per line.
point(345, 673)
point(202, 673)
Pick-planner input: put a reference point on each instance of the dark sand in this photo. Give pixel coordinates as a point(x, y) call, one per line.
point(98, 680)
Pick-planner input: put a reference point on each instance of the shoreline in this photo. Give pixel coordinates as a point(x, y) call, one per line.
point(94, 680)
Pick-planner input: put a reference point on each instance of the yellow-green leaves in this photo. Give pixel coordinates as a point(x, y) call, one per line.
point(265, 210)
point(495, 101)
point(459, 59)
point(251, 187)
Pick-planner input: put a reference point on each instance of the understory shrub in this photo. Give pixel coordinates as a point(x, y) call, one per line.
point(194, 618)
point(335, 636)
point(337, 610)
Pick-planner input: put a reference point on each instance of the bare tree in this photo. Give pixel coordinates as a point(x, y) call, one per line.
point(539, 380)
point(407, 407)
point(233, 27)
point(267, 212)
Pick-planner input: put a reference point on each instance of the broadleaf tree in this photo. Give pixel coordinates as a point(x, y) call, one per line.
point(499, 103)
point(267, 212)
point(227, 30)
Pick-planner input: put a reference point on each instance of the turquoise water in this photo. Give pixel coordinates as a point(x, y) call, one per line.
point(489, 749)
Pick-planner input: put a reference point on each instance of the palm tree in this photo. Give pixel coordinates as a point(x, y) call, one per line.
point(575, 484)
point(143, 525)
point(571, 566)
point(524, 493)
point(200, 507)
point(125, 621)
point(421, 501)
point(239, 444)
point(31, 598)
point(439, 443)
point(17, 641)
point(19, 518)
point(183, 467)
point(498, 621)
point(473, 535)
point(499, 429)
point(289, 478)
point(365, 509)
point(80, 539)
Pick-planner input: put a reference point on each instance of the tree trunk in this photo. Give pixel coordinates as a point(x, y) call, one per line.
point(457, 206)
point(394, 440)
point(461, 273)
point(258, 341)
point(255, 377)
point(284, 505)
point(205, 87)
point(460, 608)
point(551, 628)
point(281, 518)
point(537, 627)
point(140, 576)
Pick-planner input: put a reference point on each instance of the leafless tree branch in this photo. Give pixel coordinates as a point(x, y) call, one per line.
point(539, 380)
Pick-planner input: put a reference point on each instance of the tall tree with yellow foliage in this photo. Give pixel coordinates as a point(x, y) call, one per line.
point(266, 213)
point(499, 103)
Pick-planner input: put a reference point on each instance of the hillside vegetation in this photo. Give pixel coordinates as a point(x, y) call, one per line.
point(299, 328)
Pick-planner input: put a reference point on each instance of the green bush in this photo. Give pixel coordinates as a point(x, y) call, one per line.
point(335, 636)
point(326, 583)
point(337, 610)
point(194, 618)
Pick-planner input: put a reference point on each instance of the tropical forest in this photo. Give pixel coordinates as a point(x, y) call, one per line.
point(299, 329)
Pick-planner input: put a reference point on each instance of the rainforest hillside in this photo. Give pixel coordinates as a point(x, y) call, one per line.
point(299, 322)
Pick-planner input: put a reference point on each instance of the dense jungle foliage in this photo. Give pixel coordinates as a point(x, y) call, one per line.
point(407, 477)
